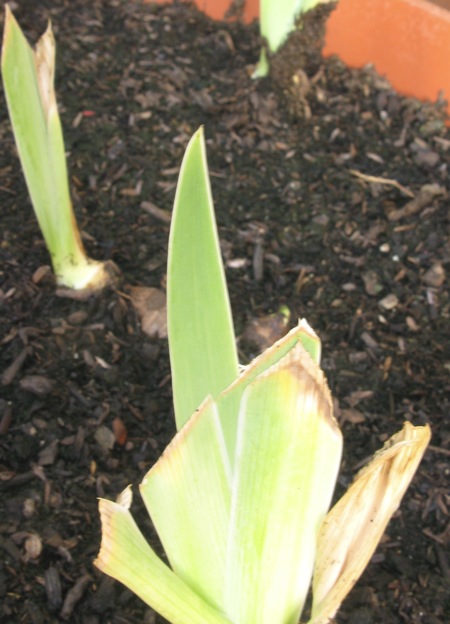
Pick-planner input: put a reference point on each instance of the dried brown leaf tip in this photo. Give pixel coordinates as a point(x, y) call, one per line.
point(44, 58)
point(353, 528)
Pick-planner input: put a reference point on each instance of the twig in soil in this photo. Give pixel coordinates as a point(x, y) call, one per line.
point(387, 181)
point(15, 481)
point(443, 561)
point(7, 190)
point(258, 260)
point(6, 419)
point(74, 595)
point(77, 394)
point(424, 197)
point(438, 449)
point(156, 212)
point(10, 373)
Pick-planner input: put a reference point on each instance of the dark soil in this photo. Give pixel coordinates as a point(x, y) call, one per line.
point(331, 194)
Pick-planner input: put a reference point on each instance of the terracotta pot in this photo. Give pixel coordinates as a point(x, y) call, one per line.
point(408, 41)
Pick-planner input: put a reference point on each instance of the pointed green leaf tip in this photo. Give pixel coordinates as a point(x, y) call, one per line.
point(202, 346)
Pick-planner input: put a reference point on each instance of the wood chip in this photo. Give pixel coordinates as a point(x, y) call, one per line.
point(105, 438)
point(40, 273)
point(52, 582)
point(10, 373)
point(389, 302)
point(33, 548)
point(351, 415)
point(48, 454)
point(38, 385)
point(372, 283)
point(120, 431)
point(435, 276)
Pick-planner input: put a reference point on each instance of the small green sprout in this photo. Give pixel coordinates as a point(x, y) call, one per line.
point(28, 78)
point(240, 497)
point(277, 20)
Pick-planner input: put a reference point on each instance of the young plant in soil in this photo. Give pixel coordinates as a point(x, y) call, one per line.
point(278, 18)
point(28, 78)
point(240, 496)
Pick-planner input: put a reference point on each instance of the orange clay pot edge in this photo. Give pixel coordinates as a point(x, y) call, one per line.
point(408, 41)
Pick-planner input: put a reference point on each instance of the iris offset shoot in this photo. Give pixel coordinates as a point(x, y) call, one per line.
point(277, 19)
point(28, 78)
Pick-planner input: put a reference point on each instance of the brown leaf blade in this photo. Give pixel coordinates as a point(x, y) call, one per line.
point(352, 529)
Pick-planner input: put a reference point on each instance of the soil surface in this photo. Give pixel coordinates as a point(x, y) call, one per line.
point(331, 194)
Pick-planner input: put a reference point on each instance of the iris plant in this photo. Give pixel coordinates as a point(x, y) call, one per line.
point(28, 78)
point(240, 497)
point(278, 18)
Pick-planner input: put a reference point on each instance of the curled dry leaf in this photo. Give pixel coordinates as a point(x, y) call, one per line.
point(150, 304)
point(352, 529)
